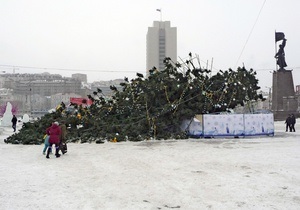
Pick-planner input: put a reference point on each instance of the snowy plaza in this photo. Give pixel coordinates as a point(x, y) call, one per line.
point(226, 173)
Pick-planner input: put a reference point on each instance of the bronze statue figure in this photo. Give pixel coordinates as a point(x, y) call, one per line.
point(280, 55)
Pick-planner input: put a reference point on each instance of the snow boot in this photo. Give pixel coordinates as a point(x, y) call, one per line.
point(48, 152)
point(56, 152)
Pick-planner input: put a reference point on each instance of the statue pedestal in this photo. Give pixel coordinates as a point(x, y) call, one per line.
point(284, 101)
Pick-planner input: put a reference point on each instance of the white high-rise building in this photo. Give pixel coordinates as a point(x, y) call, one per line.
point(161, 43)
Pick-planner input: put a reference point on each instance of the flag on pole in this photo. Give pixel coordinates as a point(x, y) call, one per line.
point(279, 36)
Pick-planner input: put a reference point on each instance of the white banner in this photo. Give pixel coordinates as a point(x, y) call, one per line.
point(223, 125)
point(210, 125)
point(259, 124)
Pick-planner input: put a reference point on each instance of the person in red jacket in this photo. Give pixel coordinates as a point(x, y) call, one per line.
point(54, 132)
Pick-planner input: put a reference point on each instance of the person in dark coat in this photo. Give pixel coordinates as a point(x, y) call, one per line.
point(63, 144)
point(54, 132)
point(293, 122)
point(288, 123)
point(14, 121)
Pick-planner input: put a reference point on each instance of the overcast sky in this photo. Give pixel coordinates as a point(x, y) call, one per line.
point(107, 39)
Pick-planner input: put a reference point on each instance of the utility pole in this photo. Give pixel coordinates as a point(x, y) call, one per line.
point(270, 96)
point(30, 100)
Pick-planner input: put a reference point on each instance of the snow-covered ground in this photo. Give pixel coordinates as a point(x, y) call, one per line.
point(250, 173)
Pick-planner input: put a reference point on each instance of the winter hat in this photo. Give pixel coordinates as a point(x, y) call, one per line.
point(56, 123)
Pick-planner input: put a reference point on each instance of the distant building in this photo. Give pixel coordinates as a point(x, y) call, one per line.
point(10, 80)
point(6, 95)
point(161, 43)
point(80, 77)
point(297, 94)
point(47, 87)
point(32, 92)
point(104, 86)
point(65, 98)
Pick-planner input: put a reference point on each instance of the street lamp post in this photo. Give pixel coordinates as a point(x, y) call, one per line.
point(270, 95)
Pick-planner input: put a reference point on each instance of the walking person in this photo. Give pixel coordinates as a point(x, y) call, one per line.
point(288, 124)
point(54, 132)
point(293, 122)
point(14, 121)
point(46, 143)
point(63, 144)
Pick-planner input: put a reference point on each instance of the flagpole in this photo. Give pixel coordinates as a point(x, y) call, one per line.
point(159, 10)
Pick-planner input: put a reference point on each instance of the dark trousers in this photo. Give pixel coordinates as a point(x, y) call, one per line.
point(287, 127)
point(14, 126)
point(50, 149)
point(292, 128)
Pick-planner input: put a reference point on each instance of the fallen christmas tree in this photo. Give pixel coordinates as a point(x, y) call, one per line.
point(149, 108)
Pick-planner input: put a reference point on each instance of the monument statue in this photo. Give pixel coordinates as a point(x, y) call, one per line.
point(280, 55)
point(284, 101)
